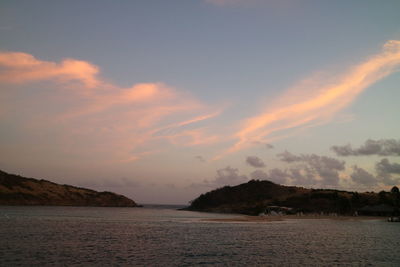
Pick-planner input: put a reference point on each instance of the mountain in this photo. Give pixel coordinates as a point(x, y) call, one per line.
point(17, 190)
point(256, 196)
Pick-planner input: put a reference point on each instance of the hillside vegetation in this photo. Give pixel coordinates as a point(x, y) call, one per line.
point(17, 190)
point(256, 196)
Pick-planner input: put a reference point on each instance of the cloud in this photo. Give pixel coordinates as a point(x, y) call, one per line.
point(316, 100)
point(259, 175)
point(269, 146)
point(304, 176)
point(385, 171)
point(275, 175)
point(321, 169)
point(255, 162)
point(324, 162)
point(297, 176)
point(362, 177)
point(266, 145)
point(225, 176)
point(313, 170)
point(384, 166)
point(229, 176)
point(170, 128)
point(193, 137)
point(388, 172)
point(20, 67)
point(288, 157)
point(101, 118)
point(200, 158)
point(382, 147)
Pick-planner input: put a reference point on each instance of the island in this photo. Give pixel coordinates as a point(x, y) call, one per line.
point(18, 190)
point(267, 198)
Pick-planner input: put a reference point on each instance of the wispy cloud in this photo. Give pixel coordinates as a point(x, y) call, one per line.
point(316, 101)
point(193, 137)
point(104, 117)
point(171, 129)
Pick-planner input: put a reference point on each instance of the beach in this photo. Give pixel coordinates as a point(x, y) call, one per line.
point(261, 219)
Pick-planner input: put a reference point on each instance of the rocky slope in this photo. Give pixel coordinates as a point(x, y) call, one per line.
point(17, 190)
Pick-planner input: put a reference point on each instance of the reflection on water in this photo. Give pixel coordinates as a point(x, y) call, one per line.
point(166, 237)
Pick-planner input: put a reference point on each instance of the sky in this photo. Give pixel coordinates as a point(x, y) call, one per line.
point(164, 100)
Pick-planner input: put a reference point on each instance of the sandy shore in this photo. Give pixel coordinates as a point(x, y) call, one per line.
point(261, 219)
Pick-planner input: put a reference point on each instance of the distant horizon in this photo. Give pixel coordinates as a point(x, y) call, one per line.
point(188, 204)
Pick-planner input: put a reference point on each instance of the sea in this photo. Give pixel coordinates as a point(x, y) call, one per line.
point(158, 235)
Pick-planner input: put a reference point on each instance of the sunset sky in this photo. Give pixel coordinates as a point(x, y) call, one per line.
point(163, 100)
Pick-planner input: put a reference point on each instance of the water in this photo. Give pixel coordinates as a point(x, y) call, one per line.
point(155, 236)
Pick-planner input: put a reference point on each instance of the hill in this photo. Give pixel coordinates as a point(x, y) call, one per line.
point(17, 190)
point(256, 196)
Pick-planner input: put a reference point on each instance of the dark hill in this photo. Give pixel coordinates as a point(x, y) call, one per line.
point(256, 196)
point(17, 190)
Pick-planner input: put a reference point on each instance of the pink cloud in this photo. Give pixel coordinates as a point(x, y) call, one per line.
point(20, 67)
point(193, 137)
point(316, 101)
point(122, 123)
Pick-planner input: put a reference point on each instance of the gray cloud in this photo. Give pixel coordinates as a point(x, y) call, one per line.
point(300, 176)
point(288, 157)
point(315, 161)
point(386, 174)
point(225, 176)
point(303, 176)
point(259, 175)
point(361, 176)
point(269, 146)
point(322, 162)
point(200, 158)
point(254, 161)
point(326, 168)
point(278, 176)
point(275, 175)
point(386, 170)
point(382, 147)
point(229, 176)
point(384, 166)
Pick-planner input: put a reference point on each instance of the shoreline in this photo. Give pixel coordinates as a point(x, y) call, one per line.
point(261, 219)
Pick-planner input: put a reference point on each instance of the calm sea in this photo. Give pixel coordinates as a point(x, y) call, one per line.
point(160, 236)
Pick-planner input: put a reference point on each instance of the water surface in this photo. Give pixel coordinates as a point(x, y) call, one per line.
point(156, 236)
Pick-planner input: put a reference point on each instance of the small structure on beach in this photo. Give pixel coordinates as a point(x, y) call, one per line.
point(394, 219)
point(276, 211)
